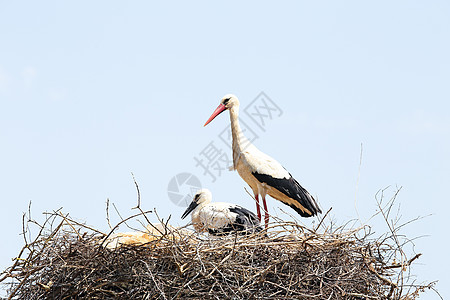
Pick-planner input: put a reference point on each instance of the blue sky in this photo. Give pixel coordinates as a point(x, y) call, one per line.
point(92, 91)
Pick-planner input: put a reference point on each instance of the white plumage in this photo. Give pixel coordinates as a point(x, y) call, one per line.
point(220, 218)
point(261, 172)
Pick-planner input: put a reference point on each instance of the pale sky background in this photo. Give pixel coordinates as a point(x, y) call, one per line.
point(94, 90)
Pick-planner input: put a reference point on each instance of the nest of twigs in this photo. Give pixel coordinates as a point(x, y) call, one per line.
point(68, 260)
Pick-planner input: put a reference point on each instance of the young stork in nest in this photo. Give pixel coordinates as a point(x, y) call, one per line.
point(261, 172)
point(220, 218)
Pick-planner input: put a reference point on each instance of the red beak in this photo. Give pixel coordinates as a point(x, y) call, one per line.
point(218, 110)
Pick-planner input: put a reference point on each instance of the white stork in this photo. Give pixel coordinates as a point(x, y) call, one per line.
point(261, 172)
point(220, 218)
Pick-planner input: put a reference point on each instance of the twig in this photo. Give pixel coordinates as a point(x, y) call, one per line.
point(138, 206)
point(357, 181)
point(121, 222)
point(107, 213)
point(323, 218)
point(402, 265)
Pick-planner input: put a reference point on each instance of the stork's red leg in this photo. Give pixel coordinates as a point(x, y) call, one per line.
point(266, 212)
point(258, 210)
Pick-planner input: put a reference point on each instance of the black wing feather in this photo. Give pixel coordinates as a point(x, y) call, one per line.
point(291, 188)
point(245, 222)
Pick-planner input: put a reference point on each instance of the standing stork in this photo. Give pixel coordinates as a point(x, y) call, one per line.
point(219, 218)
point(261, 172)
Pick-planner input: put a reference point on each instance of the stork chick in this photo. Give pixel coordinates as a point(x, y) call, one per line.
point(219, 218)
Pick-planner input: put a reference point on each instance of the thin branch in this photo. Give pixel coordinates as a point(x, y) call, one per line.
point(121, 222)
point(107, 213)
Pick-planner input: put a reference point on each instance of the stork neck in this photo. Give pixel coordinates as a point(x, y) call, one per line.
point(236, 132)
point(197, 210)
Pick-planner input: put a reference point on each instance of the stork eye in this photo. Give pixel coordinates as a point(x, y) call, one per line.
point(225, 102)
point(196, 197)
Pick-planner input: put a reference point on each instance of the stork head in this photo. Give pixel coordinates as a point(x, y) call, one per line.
point(228, 101)
point(202, 196)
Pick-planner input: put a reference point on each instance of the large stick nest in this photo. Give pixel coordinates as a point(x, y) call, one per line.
point(69, 260)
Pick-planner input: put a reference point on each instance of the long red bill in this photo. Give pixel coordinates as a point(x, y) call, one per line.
point(218, 110)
